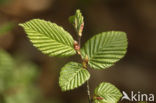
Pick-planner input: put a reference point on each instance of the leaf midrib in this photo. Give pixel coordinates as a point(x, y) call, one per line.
point(73, 77)
point(99, 49)
point(47, 36)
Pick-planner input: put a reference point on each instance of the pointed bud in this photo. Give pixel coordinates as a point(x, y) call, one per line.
point(86, 59)
point(77, 21)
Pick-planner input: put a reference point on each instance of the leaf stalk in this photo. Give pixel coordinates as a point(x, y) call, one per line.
point(84, 63)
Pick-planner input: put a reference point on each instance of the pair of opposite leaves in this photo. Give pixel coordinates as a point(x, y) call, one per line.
point(102, 50)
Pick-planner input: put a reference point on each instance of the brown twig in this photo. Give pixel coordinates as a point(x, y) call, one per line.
point(77, 46)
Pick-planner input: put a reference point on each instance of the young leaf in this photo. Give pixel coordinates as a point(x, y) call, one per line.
point(72, 75)
point(50, 38)
point(104, 49)
point(77, 21)
point(107, 93)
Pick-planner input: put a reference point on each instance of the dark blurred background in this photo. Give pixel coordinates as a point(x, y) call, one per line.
point(135, 72)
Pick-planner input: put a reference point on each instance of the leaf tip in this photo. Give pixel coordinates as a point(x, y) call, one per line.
point(20, 24)
point(78, 11)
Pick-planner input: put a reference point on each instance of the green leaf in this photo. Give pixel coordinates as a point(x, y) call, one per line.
point(6, 61)
point(23, 75)
point(6, 69)
point(107, 93)
point(27, 94)
point(72, 75)
point(50, 38)
point(77, 21)
point(105, 49)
